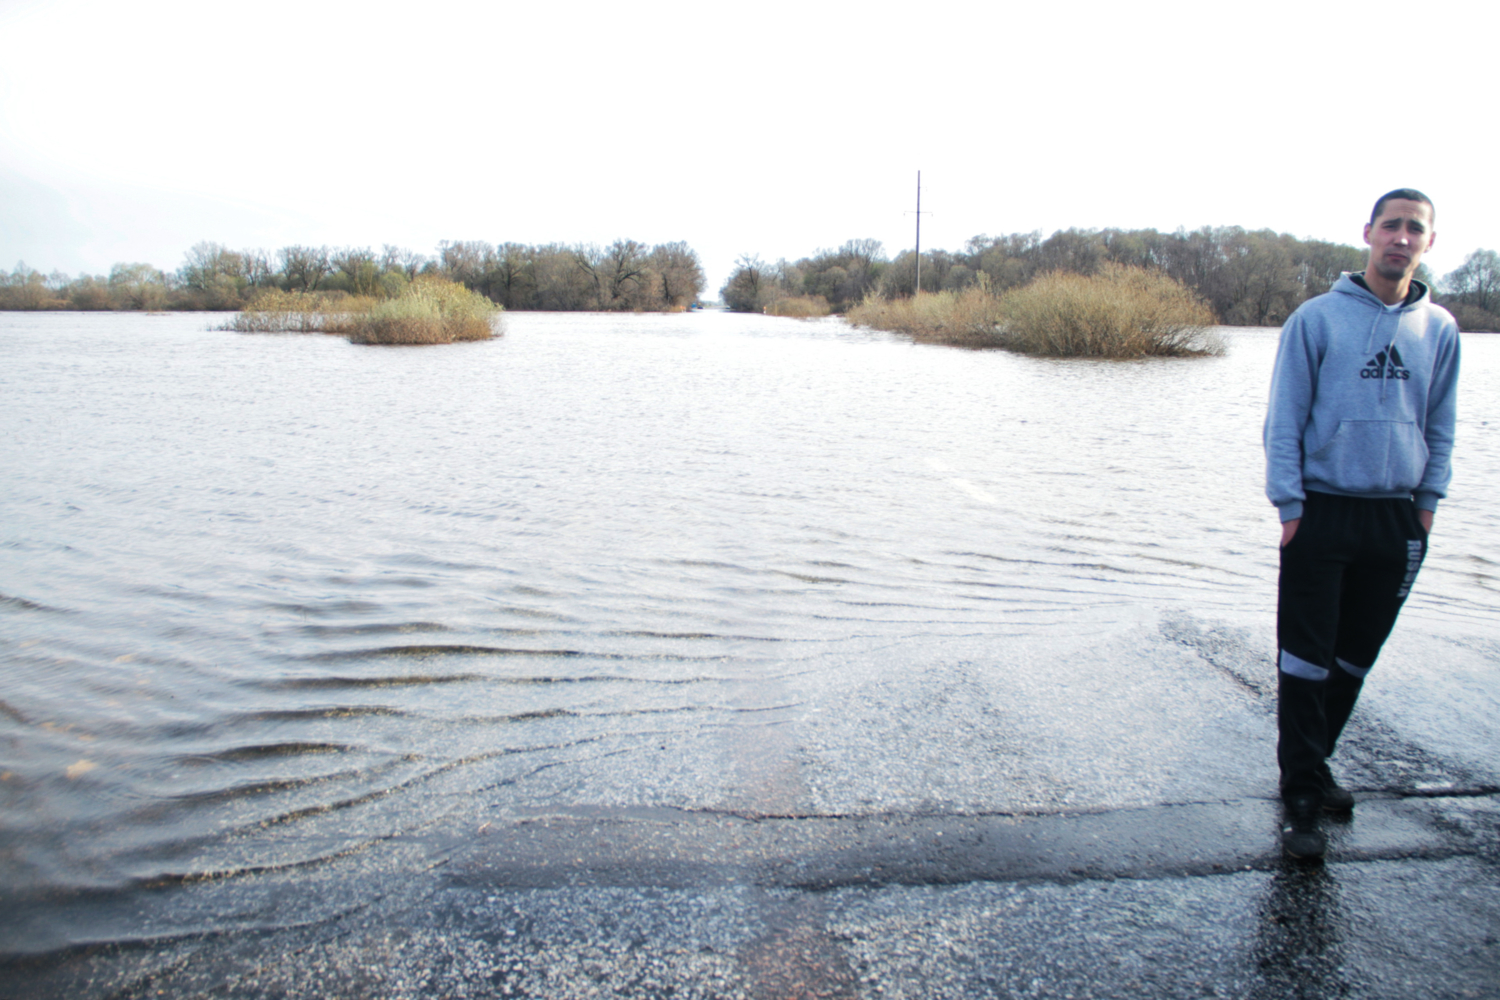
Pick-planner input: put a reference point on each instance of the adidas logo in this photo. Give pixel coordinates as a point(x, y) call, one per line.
point(1386, 367)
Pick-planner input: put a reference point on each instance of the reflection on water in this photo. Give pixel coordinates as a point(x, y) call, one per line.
point(1299, 947)
point(266, 600)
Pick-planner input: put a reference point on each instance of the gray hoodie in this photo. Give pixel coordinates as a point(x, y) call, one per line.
point(1363, 399)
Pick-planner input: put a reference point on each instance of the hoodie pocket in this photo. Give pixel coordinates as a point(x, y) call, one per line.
point(1371, 456)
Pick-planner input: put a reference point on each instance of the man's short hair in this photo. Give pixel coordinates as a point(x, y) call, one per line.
point(1403, 194)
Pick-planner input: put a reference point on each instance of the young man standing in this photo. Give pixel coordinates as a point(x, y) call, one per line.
point(1358, 438)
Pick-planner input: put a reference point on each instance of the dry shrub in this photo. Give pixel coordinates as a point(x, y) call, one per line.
point(800, 307)
point(275, 311)
point(1472, 319)
point(1121, 312)
point(28, 296)
point(89, 293)
point(964, 319)
point(430, 311)
point(427, 311)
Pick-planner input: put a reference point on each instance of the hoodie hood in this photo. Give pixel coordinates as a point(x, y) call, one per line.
point(1353, 283)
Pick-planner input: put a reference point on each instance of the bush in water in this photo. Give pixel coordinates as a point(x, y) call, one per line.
point(275, 311)
point(963, 319)
point(800, 307)
point(429, 311)
point(1120, 312)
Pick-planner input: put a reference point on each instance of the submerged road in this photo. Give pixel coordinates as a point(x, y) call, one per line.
point(1188, 900)
point(767, 898)
point(699, 656)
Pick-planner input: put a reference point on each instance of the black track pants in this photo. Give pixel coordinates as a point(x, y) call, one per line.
point(1344, 576)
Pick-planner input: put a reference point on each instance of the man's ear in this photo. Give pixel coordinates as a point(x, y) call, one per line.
point(1367, 231)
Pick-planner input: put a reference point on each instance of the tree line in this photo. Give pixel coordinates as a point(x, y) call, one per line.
point(1472, 291)
point(1251, 278)
point(1248, 278)
point(626, 275)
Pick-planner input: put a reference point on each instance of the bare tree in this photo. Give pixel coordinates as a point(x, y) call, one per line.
point(466, 261)
point(865, 252)
point(138, 286)
point(304, 268)
point(394, 258)
point(591, 261)
point(25, 288)
point(749, 284)
point(625, 273)
point(206, 262)
point(514, 282)
point(681, 273)
point(560, 278)
point(357, 264)
point(1476, 281)
point(258, 270)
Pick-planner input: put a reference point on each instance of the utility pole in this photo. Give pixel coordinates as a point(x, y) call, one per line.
point(918, 287)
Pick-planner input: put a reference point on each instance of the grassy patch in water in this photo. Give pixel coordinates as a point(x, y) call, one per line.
point(275, 311)
point(1119, 312)
point(428, 311)
point(800, 307)
point(963, 319)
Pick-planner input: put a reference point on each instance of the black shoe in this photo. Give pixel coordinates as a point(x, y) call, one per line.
point(1300, 836)
point(1336, 798)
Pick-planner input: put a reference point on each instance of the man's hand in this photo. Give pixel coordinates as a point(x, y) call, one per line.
point(1424, 517)
point(1289, 528)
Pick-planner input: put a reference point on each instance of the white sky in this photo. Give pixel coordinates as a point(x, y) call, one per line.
point(130, 131)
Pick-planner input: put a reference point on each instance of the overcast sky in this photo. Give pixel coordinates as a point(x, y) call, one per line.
point(130, 131)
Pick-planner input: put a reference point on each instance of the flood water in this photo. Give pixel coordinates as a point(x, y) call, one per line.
point(271, 600)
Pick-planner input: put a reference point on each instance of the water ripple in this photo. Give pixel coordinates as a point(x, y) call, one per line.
point(635, 540)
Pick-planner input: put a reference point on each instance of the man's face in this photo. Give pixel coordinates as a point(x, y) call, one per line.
point(1399, 237)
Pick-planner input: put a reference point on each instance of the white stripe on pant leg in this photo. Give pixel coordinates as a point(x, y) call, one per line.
point(1298, 667)
point(1351, 669)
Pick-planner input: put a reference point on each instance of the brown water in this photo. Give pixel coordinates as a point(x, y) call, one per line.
point(269, 600)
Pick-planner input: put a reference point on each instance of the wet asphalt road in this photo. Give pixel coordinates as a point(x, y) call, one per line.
point(823, 874)
point(1176, 901)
